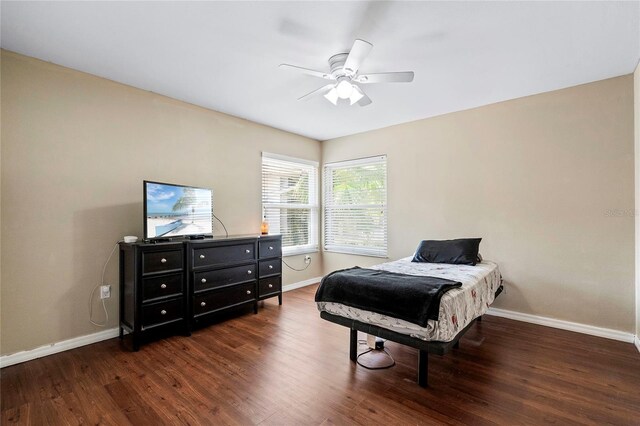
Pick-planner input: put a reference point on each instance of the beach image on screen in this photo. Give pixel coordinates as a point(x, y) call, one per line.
point(176, 210)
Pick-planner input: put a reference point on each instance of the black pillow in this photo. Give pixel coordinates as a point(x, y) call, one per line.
point(463, 251)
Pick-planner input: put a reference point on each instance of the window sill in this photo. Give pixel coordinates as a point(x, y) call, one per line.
point(300, 251)
point(356, 253)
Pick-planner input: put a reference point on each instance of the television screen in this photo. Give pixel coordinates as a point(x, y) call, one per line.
point(176, 210)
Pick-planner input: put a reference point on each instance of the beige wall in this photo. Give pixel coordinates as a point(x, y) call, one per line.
point(546, 181)
point(536, 177)
point(636, 115)
point(75, 149)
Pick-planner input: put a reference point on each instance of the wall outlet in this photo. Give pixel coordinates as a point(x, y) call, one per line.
point(307, 259)
point(105, 291)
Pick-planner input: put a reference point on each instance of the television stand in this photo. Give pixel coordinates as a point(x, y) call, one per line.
point(182, 284)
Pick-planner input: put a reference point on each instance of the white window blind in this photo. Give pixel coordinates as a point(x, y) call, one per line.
point(290, 201)
point(355, 206)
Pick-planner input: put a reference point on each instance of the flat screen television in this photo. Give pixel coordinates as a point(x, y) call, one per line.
point(172, 210)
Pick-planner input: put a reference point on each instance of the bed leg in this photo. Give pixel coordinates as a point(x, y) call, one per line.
point(423, 368)
point(353, 344)
point(479, 319)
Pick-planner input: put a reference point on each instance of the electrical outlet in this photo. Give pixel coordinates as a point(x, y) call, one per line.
point(307, 259)
point(105, 291)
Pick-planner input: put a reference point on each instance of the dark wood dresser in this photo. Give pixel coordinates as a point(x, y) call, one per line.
point(172, 287)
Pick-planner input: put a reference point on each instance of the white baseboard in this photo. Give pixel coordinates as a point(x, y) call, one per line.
point(565, 325)
point(54, 348)
point(76, 342)
point(301, 284)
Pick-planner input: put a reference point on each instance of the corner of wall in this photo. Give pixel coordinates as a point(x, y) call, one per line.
point(636, 125)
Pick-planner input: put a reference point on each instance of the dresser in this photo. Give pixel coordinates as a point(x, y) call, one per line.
point(169, 288)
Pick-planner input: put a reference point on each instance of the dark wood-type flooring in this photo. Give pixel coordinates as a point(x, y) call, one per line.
point(287, 366)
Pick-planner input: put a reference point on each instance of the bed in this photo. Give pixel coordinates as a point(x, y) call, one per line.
point(459, 308)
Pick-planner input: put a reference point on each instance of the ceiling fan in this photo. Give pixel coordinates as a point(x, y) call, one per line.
point(346, 79)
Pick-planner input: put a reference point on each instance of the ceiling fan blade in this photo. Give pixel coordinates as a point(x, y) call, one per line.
point(386, 77)
point(308, 71)
point(357, 55)
point(364, 100)
point(320, 91)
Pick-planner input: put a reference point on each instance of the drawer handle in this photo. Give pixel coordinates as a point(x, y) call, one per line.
point(163, 312)
point(270, 266)
point(163, 260)
point(204, 280)
point(203, 304)
point(249, 272)
point(270, 247)
point(248, 291)
point(270, 285)
point(247, 251)
point(163, 286)
point(202, 256)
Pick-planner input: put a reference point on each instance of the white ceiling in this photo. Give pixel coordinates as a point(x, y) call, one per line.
point(225, 55)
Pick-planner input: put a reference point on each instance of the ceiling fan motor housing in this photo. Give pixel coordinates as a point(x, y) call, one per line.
point(336, 64)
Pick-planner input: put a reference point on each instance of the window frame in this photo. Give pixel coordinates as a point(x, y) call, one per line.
point(327, 183)
point(313, 206)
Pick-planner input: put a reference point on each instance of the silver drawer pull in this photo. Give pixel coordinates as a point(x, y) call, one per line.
point(204, 280)
point(270, 248)
point(203, 304)
point(202, 256)
point(247, 251)
point(163, 286)
point(249, 272)
point(163, 312)
point(163, 260)
point(270, 285)
point(270, 266)
point(248, 291)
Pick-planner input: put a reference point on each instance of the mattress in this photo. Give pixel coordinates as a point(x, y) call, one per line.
point(458, 307)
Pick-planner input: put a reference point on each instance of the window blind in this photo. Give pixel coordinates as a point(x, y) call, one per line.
point(290, 201)
point(355, 206)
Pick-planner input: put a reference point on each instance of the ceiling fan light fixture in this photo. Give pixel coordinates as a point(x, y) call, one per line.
point(332, 96)
point(346, 78)
point(356, 95)
point(344, 89)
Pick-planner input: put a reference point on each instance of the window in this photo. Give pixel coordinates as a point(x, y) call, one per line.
point(290, 201)
point(355, 206)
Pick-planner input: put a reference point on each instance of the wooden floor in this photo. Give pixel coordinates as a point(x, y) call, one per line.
point(287, 366)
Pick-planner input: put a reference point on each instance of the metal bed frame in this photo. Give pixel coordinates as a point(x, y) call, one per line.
point(424, 347)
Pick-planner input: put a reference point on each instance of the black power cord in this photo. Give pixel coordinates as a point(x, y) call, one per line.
point(225, 228)
point(393, 361)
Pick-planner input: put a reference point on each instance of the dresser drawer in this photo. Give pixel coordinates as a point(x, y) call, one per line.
point(159, 313)
point(224, 277)
point(212, 256)
point(160, 261)
point(270, 267)
point(164, 286)
point(224, 298)
point(270, 248)
point(269, 286)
